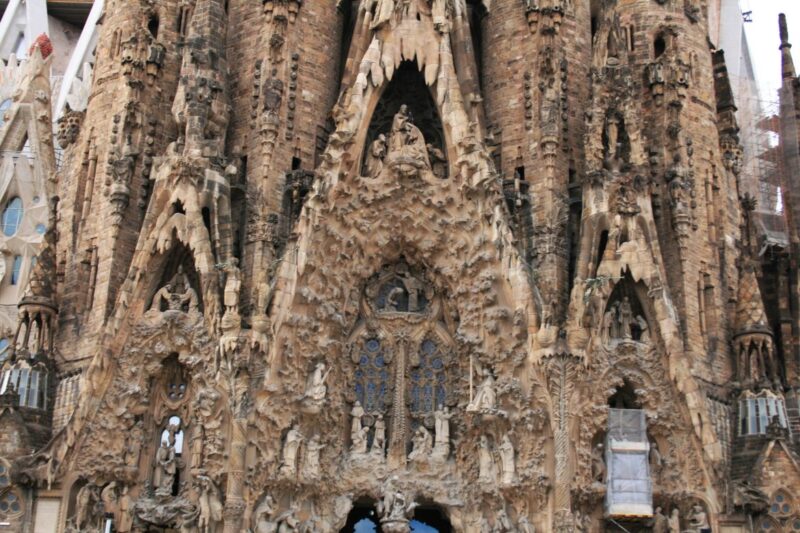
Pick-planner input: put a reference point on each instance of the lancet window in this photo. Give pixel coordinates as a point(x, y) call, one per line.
point(29, 382)
point(403, 369)
point(758, 411)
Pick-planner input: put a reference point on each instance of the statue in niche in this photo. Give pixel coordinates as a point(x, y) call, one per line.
point(402, 292)
point(610, 323)
point(166, 468)
point(659, 523)
point(645, 333)
point(598, 464)
point(210, 504)
point(233, 284)
point(422, 445)
point(133, 444)
point(124, 520)
point(625, 318)
point(655, 459)
point(316, 389)
point(379, 437)
point(375, 156)
point(84, 506)
point(612, 142)
point(358, 432)
point(273, 94)
point(442, 418)
point(311, 467)
point(674, 521)
point(486, 469)
point(485, 398)
point(698, 520)
point(176, 295)
point(406, 140)
point(614, 44)
point(507, 460)
point(394, 510)
point(262, 518)
point(291, 449)
point(438, 161)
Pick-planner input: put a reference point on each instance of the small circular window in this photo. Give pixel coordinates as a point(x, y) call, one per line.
point(10, 503)
point(40, 229)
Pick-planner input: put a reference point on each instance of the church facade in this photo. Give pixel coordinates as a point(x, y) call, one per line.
point(408, 265)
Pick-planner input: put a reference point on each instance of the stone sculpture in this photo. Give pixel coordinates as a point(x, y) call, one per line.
point(422, 445)
point(291, 451)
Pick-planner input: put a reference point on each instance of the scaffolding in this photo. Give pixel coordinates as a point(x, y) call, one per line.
point(629, 490)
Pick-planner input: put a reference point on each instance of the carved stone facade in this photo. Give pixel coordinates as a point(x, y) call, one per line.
point(480, 266)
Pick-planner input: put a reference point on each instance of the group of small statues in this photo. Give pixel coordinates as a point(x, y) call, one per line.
point(405, 143)
point(291, 454)
point(176, 295)
point(697, 521)
point(619, 322)
point(487, 469)
point(359, 434)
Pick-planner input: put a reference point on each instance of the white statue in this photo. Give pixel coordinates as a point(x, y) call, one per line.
point(674, 521)
point(379, 437)
point(442, 429)
point(311, 466)
point(524, 526)
point(291, 448)
point(377, 151)
point(485, 398)
point(262, 518)
point(507, 460)
point(698, 520)
point(358, 432)
point(422, 444)
point(645, 335)
point(486, 473)
point(233, 284)
point(316, 389)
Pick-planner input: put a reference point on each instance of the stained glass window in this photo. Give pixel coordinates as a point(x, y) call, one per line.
point(12, 216)
point(428, 391)
point(371, 377)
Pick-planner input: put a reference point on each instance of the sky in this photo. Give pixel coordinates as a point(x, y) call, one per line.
point(764, 39)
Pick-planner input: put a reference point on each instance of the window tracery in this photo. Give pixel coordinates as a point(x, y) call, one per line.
point(371, 376)
point(428, 376)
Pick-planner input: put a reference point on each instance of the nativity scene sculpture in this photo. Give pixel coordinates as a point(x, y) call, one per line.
point(404, 151)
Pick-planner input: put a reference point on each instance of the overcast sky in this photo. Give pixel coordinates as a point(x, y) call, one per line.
point(764, 40)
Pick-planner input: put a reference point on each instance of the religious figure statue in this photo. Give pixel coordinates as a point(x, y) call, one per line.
point(176, 295)
point(645, 333)
point(507, 460)
point(84, 506)
point(625, 318)
point(610, 323)
point(375, 155)
point(379, 437)
point(166, 468)
point(406, 140)
point(485, 397)
point(291, 448)
point(311, 467)
point(659, 522)
point(210, 504)
point(133, 445)
point(124, 519)
point(442, 418)
point(262, 518)
point(421, 444)
point(358, 432)
point(110, 499)
point(233, 284)
point(598, 464)
point(674, 522)
point(288, 521)
point(486, 470)
point(316, 388)
point(698, 520)
point(394, 510)
point(273, 93)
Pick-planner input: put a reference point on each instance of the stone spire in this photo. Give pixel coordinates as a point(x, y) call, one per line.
point(786, 49)
point(756, 365)
point(750, 315)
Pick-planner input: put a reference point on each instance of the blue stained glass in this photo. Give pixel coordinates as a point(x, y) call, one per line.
point(427, 380)
point(12, 216)
point(370, 377)
point(373, 345)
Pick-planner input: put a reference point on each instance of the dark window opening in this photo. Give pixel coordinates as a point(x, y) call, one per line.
point(476, 12)
point(348, 10)
point(601, 250)
point(429, 520)
point(152, 26)
point(296, 163)
point(519, 173)
point(624, 397)
point(659, 46)
point(177, 207)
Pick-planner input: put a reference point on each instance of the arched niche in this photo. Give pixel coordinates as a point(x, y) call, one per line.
point(625, 318)
point(429, 518)
point(178, 287)
point(408, 88)
point(363, 518)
